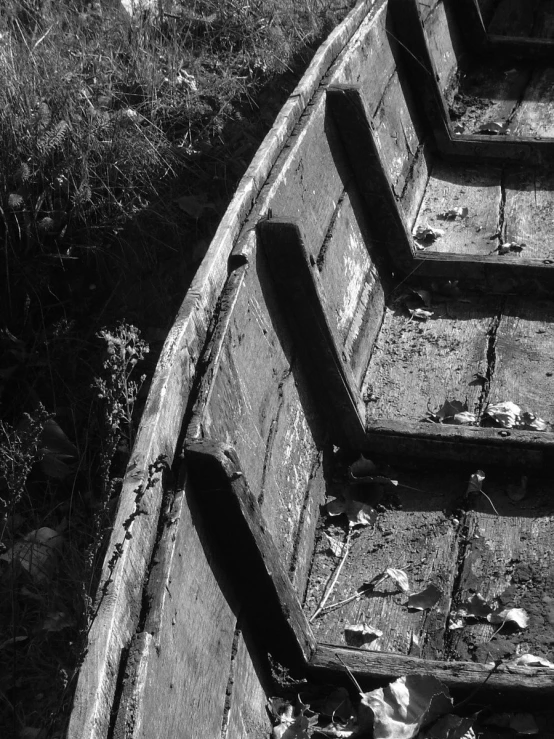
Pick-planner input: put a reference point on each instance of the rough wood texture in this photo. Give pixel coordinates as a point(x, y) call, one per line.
point(417, 365)
point(529, 211)
point(162, 418)
point(476, 188)
point(444, 45)
point(533, 683)
point(524, 367)
point(298, 283)
point(513, 18)
point(534, 116)
point(352, 284)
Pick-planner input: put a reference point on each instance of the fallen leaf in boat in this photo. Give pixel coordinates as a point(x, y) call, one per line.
point(336, 546)
point(336, 507)
point(37, 553)
point(510, 246)
point(453, 213)
point(517, 616)
point(420, 313)
point(402, 708)
point(455, 621)
point(292, 724)
point(335, 705)
point(505, 414)
point(425, 296)
point(494, 128)
point(477, 606)
point(363, 467)
point(465, 418)
point(450, 727)
point(427, 234)
point(454, 412)
point(360, 514)
point(399, 577)
point(521, 723)
point(360, 635)
point(475, 482)
point(530, 660)
point(529, 422)
point(518, 492)
point(426, 599)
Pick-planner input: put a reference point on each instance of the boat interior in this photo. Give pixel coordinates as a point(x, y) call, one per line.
point(375, 280)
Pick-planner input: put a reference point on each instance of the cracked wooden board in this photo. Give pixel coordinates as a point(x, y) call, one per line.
point(524, 363)
point(534, 117)
point(417, 365)
point(452, 186)
point(509, 561)
point(418, 534)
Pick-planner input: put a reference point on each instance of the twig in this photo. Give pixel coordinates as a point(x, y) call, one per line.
point(331, 586)
point(356, 596)
point(350, 673)
point(478, 688)
point(490, 501)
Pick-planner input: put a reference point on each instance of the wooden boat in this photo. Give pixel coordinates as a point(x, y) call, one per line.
point(318, 328)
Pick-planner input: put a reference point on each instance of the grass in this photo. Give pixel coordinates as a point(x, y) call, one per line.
point(121, 143)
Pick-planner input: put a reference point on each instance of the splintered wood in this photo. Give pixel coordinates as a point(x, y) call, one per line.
point(483, 210)
point(498, 549)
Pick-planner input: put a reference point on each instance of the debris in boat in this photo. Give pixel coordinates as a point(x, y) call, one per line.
point(358, 513)
point(399, 577)
point(426, 599)
point(293, 723)
point(454, 412)
point(363, 467)
point(518, 616)
point(450, 727)
point(404, 707)
point(511, 247)
point(426, 234)
point(420, 313)
point(495, 128)
point(424, 295)
point(475, 484)
point(518, 492)
point(477, 606)
point(530, 660)
point(331, 583)
point(509, 415)
point(521, 723)
point(335, 545)
point(453, 213)
point(361, 635)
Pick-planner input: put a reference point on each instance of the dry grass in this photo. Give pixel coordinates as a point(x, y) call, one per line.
point(106, 123)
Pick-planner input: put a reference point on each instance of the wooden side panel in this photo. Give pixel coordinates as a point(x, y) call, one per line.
point(524, 368)
point(534, 116)
point(513, 18)
point(544, 20)
point(444, 43)
point(417, 366)
point(476, 188)
point(352, 285)
point(529, 212)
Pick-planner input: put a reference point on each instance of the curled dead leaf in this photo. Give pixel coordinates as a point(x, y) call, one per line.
point(361, 635)
point(399, 577)
point(518, 616)
point(425, 599)
point(420, 313)
point(363, 467)
point(530, 660)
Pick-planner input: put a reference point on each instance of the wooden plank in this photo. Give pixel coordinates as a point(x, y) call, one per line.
point(418, 536)
point(509, 562)
point(351, 281)
point(392, 439)
point(237, 521)
point(534, 116)
point(185, 649)
point(445, 44)
point(298, 283)
point(529, 686)
point(416, 366)
point(162, 418)
point(513, 18)
point(372, 178)
point(249, 686)
point(529, 212)
point(544, 20)
point(523, 370)
point(451, 186)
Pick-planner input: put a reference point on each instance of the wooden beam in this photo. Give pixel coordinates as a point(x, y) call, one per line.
point(248, 551)
point(347, 107)
point(527, 685)
point(493, 446)
point(304, 303)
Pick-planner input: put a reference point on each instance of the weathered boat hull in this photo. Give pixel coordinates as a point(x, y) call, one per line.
point(289, 342)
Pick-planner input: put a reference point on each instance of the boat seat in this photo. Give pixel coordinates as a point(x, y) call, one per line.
point(481, 101)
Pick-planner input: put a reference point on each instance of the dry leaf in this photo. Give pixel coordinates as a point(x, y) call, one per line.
point(530, 660)
point(360, 635)
point(425, 296)
point(453, 213)
point(454, 412)
point(420, 313)
point(360, 514)
point(475, 482)
point(477, 606)
point(529, 422)
point(405, 706)
point(335, 545)
point(517, 616)
point(510, 247)
point(363, 467)
point(427, 234)
point(450, 727)
point(505, 414)
point(399, 577)
point(426, 599)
